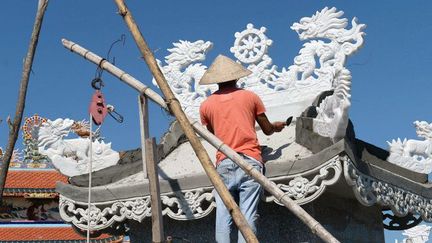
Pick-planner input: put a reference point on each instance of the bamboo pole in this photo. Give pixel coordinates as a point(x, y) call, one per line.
point(176, 109)
point(268, 185)
point(14, 126)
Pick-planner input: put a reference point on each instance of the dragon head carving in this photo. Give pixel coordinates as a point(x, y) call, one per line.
point(423, 129)
point(323, 24)
point(53, 131)
point(186, 52)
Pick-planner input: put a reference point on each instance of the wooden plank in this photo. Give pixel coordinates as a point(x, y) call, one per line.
point(156, 208)
point(144, 128)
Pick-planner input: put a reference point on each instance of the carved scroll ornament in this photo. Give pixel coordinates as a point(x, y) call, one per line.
point(370, 191)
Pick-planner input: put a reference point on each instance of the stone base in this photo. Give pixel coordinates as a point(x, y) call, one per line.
point(346, 219)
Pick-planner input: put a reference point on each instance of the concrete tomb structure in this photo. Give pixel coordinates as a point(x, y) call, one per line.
point(353, 188)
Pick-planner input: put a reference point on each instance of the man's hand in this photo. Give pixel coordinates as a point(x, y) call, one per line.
point(267, 127)
point(278, 126)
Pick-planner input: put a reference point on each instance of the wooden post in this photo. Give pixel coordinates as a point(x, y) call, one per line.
point(14, 126)
point(176, 109)
point(156, 208)
point(268, 185)
point(143, 114)
point(150, 170)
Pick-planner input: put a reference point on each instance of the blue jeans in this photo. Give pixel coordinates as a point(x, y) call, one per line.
point(242, 187)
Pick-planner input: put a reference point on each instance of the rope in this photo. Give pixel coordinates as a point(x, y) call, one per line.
point(90, 178)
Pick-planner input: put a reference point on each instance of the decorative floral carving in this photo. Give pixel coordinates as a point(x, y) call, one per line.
point(302, 190)
point(415, 155)
point(101, 218)
point(193, 204)
point(189, 205)
point(369, 191)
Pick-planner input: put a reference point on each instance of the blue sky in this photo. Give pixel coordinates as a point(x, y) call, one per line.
point(391, 73)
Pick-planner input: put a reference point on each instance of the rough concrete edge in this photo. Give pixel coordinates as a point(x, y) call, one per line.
point(129, 164)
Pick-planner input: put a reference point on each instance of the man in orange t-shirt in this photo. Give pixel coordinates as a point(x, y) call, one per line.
point(230, 113)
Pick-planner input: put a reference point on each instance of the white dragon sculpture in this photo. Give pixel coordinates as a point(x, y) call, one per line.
point(72, 156)
point(415, 155)
point(318, 67)
point(332, 118)
point(183, 74)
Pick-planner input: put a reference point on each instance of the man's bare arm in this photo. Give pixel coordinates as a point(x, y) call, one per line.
point(267, 127)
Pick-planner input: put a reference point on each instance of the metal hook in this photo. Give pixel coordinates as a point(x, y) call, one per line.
point(97, 83)
point(114, 114)
point(119, 118)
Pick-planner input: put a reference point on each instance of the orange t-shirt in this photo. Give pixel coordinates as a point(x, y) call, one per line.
point(231, 113)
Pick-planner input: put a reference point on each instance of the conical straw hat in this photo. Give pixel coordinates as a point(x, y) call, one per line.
point(223, 69)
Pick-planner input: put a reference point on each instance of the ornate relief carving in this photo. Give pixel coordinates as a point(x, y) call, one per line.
point(332, 118)
point(16, 160)
point(369, 191)
point(183, 74)
point(189, 205)
point(103, 215)
point(71, 156)
point(277, 87)
point(302, 189)
point(415, 155)
point(193, 204)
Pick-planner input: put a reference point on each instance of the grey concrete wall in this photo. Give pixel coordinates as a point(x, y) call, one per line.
point(346, 219)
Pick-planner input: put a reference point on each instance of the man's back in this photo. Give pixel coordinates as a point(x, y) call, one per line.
point(231, 112)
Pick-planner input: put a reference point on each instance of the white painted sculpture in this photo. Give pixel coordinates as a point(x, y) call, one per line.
point(72, 156)
point(415, 155)
point(286, 91)
point(183, 74)
point(417, 234)
point(332, 118)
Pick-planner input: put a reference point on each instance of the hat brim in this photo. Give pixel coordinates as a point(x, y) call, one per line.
point(223, 69)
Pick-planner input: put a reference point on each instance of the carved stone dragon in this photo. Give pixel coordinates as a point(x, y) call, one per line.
point(414, 154)
point(332, 118)
point(319, 66)
point(72, 156)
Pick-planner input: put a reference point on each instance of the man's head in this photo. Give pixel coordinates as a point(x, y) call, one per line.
point(223, 69)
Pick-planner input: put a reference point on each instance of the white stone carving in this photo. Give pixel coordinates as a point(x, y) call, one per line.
point(417, 234)
point(186, 205)
point(183, 74)
point(189, 205)
point(302, 190)
point(332, 118)
point(415, 155)
point(370, 191)
point(286, 91)
point(196, 203)
point(101, 218)
point(71, 156)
